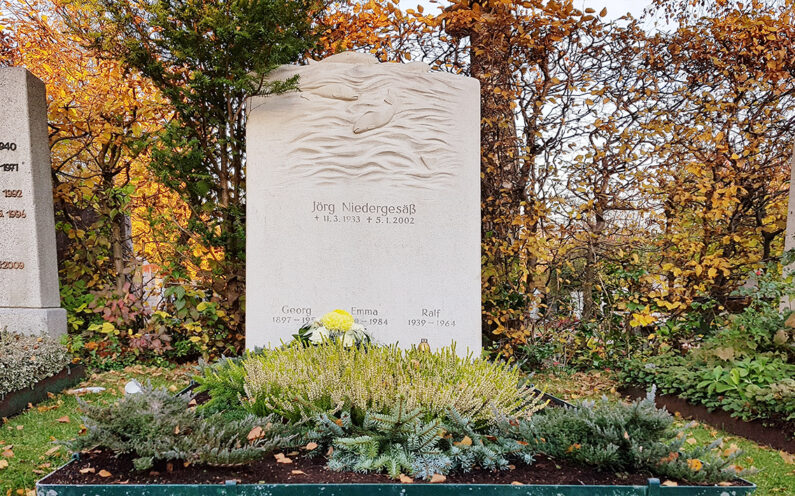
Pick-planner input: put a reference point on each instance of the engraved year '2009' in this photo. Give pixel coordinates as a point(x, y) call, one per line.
point(7, 265)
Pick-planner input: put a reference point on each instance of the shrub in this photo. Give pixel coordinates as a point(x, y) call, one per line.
point(746, 368)
point(26, 360)
point(154, 425)
point(298, 382)
point(224, 381)
point(623, 438)
point(402, 441)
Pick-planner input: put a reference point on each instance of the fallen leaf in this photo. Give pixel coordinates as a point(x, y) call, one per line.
point(255, 433)
point(52, 451)
point(172, 388)
point(284, 460)
point(292, 453)
point(64, 419)
point(467, 441)
point(169, 467)
point(405, 479)
point(517, 483)
point(311, 446)
point(669, 483)
point(8, 453)
point(104, 473)
point(788, 458)
point(176, 429)
point(691, 440)
point(20, 427)
point(437, 479)
point(88, 470)
point(297, 472)
point(3, 464)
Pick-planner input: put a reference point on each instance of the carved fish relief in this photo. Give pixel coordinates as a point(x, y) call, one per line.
point(335, 91)
point(378, 117)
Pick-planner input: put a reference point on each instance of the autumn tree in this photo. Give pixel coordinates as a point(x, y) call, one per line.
point(725, 124)
point(97, 114)
point(206, 58)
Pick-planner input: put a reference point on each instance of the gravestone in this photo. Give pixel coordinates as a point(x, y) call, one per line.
point(363, 193)
point(29, 296)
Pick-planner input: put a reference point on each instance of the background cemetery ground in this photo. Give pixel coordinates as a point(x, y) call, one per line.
point(34, 453)
point(606, 229)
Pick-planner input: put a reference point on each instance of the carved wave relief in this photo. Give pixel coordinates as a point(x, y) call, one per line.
point(356, 120)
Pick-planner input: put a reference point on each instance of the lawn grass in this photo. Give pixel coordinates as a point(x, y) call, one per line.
point(31, 454)
point(26, 440)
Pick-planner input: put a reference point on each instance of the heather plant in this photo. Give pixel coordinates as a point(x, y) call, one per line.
point(154, 425)
point(303, 381)
point(624, 437)
point(26, 360)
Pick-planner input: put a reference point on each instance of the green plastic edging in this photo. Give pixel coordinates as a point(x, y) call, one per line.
point(16, 401)
point(231, 488)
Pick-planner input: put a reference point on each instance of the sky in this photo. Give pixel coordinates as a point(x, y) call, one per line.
point(615, 8)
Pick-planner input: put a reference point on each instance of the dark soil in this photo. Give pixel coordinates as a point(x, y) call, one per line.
point(313, 470)
point(776, 433)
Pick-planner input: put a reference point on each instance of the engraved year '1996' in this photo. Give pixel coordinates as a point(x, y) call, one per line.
point(11, 265)
point(13, 214)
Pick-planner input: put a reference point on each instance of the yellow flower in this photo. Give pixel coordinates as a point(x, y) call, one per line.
point(338, 320)
point(694, 464)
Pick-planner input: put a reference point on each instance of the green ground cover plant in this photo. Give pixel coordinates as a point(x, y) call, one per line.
point(26, 360)
point(746, 368)
point(155, 425)
point(626, 437)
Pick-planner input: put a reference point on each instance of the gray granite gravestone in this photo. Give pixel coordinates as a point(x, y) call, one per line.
point(363, 193)
point(29, 296)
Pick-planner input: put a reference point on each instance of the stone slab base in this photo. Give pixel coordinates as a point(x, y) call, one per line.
point(35, 321)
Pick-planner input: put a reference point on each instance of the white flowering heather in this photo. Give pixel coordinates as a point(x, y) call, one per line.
point(26, 360)
point(302, 381)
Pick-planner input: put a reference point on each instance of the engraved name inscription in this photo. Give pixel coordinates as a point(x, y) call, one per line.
point(366, 212)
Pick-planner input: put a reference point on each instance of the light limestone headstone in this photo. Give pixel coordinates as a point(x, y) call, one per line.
point(363, 193)
point(29, 296)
